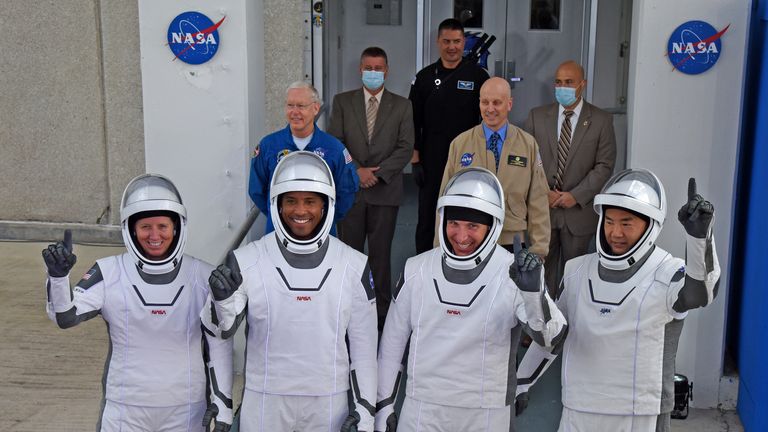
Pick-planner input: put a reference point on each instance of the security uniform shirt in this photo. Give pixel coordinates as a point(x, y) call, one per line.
point(441, 112)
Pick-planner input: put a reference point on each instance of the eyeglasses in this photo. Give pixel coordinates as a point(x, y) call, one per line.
point(301, 107)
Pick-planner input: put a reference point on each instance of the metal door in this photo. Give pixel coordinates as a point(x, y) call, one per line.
point(533, 38)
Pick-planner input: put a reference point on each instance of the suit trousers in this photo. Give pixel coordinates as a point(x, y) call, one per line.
point(425, 227)
point(377, 224)
point(563, 246)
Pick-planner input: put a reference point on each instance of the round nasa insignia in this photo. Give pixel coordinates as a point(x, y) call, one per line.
point(466, 159)
point(694, 47)
point(282, 154)
point(320, 152)
point(193, 37)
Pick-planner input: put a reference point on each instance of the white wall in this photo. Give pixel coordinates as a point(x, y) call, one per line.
point(200, 119)
point(685, 126)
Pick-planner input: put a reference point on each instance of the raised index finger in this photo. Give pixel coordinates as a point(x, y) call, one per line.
point(68, 239)
point(691, 188)
point(517, 246)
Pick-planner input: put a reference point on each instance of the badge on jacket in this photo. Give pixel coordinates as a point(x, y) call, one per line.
point(466, 159)
point(520, 161)
point(465, 85)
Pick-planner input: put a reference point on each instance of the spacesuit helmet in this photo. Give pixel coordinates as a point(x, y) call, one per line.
point(637, 191)
point(476, 189)
point(302, 171)
point(151, 195)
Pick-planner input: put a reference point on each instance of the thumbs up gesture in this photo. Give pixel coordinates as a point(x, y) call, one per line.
point(59, 258)
point(696, 215)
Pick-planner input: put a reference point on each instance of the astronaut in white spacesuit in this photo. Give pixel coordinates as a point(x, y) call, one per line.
point(301, 291)
point(463, 306)
point(161, 369)
point(625, 307)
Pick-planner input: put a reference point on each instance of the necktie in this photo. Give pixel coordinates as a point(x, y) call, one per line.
point(493, 146)
point(370, 115)
point(563, 146)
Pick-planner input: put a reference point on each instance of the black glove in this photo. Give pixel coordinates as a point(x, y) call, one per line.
point(392, 423)
point(350, 424)
point(418, 174)
point(59, 258)
point(525, 272)
point(696, 215)
point(224, 282)
point(521, 403)
point(210, 414)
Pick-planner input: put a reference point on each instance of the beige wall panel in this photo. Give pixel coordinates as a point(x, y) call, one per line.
point(123, 100)
point(53, 162)
point(283, 55)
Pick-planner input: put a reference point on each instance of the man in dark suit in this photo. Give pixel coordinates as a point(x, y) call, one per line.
point(578, 149)
point(376, 126)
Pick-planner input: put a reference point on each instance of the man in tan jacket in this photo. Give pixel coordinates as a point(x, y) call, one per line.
point(513, 155)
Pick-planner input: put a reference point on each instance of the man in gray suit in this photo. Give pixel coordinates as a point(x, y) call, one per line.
point(578, 149)
point(376, 126)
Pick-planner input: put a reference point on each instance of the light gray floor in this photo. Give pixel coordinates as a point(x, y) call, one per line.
point(50, 379)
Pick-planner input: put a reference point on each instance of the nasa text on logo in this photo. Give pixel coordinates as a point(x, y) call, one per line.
point(193, 37)
point(466, 159)
point(694, 47)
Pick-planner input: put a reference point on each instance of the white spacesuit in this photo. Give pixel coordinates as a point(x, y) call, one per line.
point(625, 311)
point(463, 314)
point(301, 296)
point(159, 358)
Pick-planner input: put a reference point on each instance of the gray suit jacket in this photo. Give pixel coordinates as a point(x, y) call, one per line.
point(390, 148)
point(590, 160)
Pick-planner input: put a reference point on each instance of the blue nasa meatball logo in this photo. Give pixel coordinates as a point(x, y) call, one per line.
point(466, 159)
point(193, 37)
point(694, 47)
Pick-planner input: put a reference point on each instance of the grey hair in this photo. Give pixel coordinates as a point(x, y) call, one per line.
point(305, 85)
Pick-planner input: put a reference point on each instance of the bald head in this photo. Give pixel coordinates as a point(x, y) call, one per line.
point(495, 102)
point(569, 78)
point(497, 85)
point(571, 67)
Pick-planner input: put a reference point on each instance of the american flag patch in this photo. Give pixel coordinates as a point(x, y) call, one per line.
point(88, 275)
point(347, 157)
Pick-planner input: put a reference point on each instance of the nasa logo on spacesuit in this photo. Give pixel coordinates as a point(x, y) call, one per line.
point(320, 152)
point(694, 47)
point(466, 159)
point(605, 311)
point(193, 37)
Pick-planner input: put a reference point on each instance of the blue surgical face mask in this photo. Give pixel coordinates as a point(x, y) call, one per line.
point(566, 96)
point(373, 80)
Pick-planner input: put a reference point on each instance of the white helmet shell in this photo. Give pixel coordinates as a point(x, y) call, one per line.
point(640, 191)
point(151, 193)
point(477, 189)
point(302, 171)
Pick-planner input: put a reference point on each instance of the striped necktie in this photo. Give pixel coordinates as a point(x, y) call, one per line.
point(563, 146)
point(370, 115)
